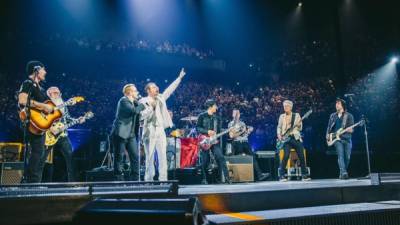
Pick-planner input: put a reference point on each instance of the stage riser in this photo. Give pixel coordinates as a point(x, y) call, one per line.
point(266, 200)
point(378, 218)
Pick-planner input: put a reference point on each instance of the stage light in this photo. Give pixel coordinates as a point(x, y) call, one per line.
point(394, 59)
point(300, 4)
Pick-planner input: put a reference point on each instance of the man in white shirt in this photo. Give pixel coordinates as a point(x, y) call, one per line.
point(156, 120)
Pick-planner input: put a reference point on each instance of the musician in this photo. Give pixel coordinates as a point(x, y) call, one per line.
point(240, 142)
point(63, 144)
point(209, 124)
point(125, 131)
point(341, 119)
point(31, 95)
point(287, 120)
point(156, 118)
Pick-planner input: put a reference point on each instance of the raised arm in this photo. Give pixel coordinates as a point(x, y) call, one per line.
point(172, 87)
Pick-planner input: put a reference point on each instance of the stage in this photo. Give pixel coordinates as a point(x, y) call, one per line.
point(221, 204)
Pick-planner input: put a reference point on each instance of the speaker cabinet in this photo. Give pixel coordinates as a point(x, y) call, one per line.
point(11, 173)
point(240, 168)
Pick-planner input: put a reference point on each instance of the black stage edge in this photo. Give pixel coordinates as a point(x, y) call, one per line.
point(58, 203)
point(291, 194)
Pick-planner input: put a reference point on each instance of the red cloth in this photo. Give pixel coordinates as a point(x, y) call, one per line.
point(189, 152)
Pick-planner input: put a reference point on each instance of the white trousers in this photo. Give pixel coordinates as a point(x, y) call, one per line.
point(156, 141)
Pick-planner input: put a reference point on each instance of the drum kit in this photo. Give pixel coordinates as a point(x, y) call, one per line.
point(189, 131)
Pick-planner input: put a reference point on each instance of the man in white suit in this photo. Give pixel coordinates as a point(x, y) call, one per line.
point(157, 118)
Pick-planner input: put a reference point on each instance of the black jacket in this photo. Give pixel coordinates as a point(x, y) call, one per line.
point(206, 122)
point(126, 123)
point(348, 120)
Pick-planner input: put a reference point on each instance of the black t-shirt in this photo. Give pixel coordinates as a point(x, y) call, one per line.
point(338, 123)
point(36, 92)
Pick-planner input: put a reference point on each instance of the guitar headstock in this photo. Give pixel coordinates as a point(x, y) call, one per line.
point(88, 115)
point(308, 113)
point(74, 100)
point(361, 123)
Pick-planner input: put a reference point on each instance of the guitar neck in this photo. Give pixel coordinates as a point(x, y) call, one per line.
point(288, 131)
point(220, 134)
point(73, 123)
point(351, 127)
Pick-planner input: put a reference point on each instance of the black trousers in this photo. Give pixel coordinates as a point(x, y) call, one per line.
point(130, 145)
point(63, 146)
point(244, 148)
point(35, 164)
point(298, 146)
point(219, 157)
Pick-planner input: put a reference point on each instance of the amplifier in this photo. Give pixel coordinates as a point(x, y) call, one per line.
point(240, 168)
point(100, 174)
point(11, 151)
point(11, 173)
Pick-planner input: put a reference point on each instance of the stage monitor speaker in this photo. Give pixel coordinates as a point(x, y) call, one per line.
point(11, 173)
point(11, 151)
point(240, 168)
point(141, 211)
point(100, 174)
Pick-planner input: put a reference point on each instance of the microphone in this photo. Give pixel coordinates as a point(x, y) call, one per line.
point(349, 95)
point(36, 68)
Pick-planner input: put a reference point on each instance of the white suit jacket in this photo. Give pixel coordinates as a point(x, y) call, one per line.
point(160, 111)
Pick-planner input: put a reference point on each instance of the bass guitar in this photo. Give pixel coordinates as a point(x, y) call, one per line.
point(286, 136)
point(335, 136)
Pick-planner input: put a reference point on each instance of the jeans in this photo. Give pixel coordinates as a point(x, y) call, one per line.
point(343, 149)
point(63, 146)
point(219, 157)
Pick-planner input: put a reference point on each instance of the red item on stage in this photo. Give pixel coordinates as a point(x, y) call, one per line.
point(189, 152)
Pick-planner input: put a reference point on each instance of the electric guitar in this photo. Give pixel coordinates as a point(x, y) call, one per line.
point(206, 141)
point(41, 121)
point(335, 136)
point(245, 130)
point(58, 129)
point(286, 136)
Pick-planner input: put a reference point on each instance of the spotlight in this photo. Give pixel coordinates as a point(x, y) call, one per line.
point(300, 4)
point(394, 59)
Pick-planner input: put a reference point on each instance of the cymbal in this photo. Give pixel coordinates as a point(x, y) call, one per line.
point(177, 133)
point(190, 118)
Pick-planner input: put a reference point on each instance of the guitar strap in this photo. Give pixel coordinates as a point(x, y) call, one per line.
point(215, 124)
point(344, 121)
point(293, 118)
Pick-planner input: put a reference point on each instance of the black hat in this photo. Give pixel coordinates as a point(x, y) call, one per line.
point(209, 103)
point(33, 66)
point(343, 102)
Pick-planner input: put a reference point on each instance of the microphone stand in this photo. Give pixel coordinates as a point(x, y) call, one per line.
point(367, 147)
point(367, 151)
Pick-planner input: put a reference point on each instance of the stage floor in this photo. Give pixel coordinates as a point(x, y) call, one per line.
point(324, 213)
point(218, 199)
point(269, 186)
